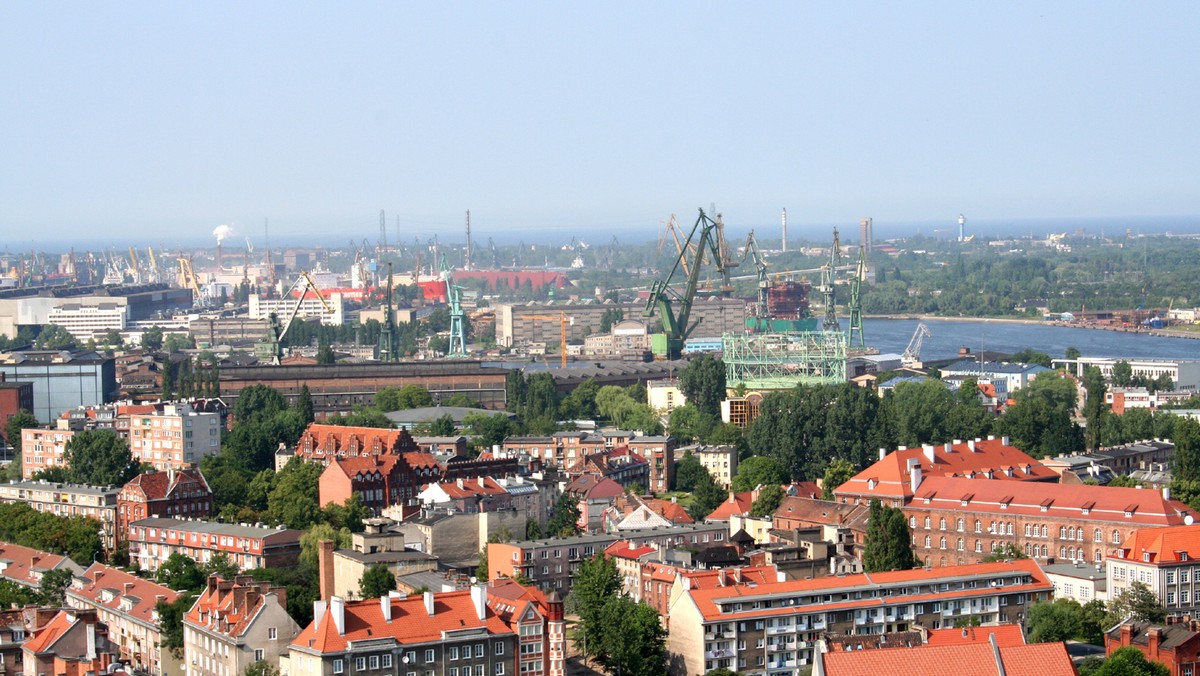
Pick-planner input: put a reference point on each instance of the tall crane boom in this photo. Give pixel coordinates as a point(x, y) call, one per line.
point(912, 354)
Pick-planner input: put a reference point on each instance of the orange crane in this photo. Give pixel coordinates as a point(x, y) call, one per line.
point(563, 321)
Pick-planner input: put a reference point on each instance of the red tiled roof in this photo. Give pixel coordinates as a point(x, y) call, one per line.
point(589, 486)
point(972, 659)
point(157, 485)
point(464, 489)
point(229, 606)
point(1006, 635)
point(621, 550)
point(45, 639)
point(1104, 503)
point(671, 511)
point(420, 460)
point(142, 593)
point(1164, 545)
point(736, 504)
point(889, 477)
point(360, 465)
point(453, 611)
point(336, 439)
point(22, 561)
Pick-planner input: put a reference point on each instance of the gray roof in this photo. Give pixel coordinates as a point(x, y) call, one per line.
point(414, 416)
point(623, 535)
point(972, 366)
point(81, 489)
point(1084, 572)
point(386, 557)
point(429, 579)
point(216, 528)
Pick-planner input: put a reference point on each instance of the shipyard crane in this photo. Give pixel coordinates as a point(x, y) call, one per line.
point(135, 270)
point(564, 321)
point(279, 333)
point(675, 308)
point(760, 265)
point(187, 280)
point(856, 282)
point(153, 264)
point(458, 336)
point(828, 280)
point(912, 354)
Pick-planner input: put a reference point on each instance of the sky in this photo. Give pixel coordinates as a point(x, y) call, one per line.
point(163, 120)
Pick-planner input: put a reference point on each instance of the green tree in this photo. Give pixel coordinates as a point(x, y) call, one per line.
point(489, 428)
point(593, 584)
point(481, 569)
point(706, 497)
point(564, 519)
point(1122, 374)
point(55, 337)
point(768, 500)
point(630, 638)
point(53, 588)
point(1031, 356)
point(176, 343)
point(170, 620)
point(349, 515)
point(99, 458)
point(180, 572)
point(460, 400)
point(220, 565)
point(1129, 661)
point(759, 471)
point(888, 540)
point(20, 420)
point(295, 501)
point(1053, 621)
point(1093, 407)
point(837, 473)
point(702, 381)
point(304, 405)
point(920, 411)
point(1137, 601)
point(152, 339)
point(443, 426)
point(580, 404)
point(376, 581)
point(1073, 353)
point(532, 530)
point(325, 354)
point(688, 423)
point(1093, 620)
point(402, 398)
point(310, 542)
point(688, 472)
point(1006, 551)
point(1040, 423)
point(261, 668)
point(541, 396)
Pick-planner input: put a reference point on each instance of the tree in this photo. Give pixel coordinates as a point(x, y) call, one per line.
point(295, 501)
point(1093, 620)
point(220, 565)
point(758, 471)
point(20, 420)
point(403, 398)
point(1137, 601)
point(99, 458)
point(443, 426)
point(53, 588)
point(630, 638)
point(304, 405)
point(594, 583)
point(706, 497)
point(564, 519)
point(325, 354)
point(888, 540)
point(179, 572)
point(1122, 374)
point(702, 381)
point(1093, 407)
point(152, 339)
point(688, 472)
point(170, 620)
point(376, 581)
point(489, 428)
point(1007, 551)
point(176, 343)
point(1073, 353)
point(1031, 356)
point(261, 668)
point(920, 411)
point(482, 573)
point(1053, 621)
point(688, 423)
point(1129, 661)
point(837, 473)
point(55, 337)
point(310, 553)
point(349, 515)
point(1040, 423)
point(768, 500)
point(580, 404)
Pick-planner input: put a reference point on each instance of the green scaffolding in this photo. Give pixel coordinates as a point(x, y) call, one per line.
point(779, 361)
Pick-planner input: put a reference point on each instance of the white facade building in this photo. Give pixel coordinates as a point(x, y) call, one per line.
point(261, 308)
point(87, 321)
point(175, 438)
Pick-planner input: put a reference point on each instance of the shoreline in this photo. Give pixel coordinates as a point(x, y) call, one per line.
point(994, 320)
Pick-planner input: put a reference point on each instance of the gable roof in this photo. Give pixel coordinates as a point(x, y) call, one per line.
point(1005, 635)
point(159, 485)
point(970, 659)
point(126, 594)
point(890, 477)
point(1162, 546)
point(24, 565)
point(229, 607)
point(737, 504)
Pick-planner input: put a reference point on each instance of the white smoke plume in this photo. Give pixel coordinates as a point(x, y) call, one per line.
point(221, 232)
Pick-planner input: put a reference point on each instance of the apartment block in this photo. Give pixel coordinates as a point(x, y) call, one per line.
point(183, 494)
point(176, 437)
point(235, 624)
point(43, 448)
point(127, 605)
point(775, 628)
point(153, 540)
point(1165, 559)
point(66, 500)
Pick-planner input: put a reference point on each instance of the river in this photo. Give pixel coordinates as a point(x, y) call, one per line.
point(892, 335)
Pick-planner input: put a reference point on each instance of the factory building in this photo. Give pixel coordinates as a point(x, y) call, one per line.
point(62, 379)
point(262, 308)
point(515, 324)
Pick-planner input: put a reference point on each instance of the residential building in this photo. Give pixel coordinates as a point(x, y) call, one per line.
point(43, 448)
point(595, 495)
point(444, 448)
point(1078, 580)
point(634, 512)
point(62, 379)
point(1175, 643)
point(664, 395)
point(891, 478)
point(456, 538)
point(974, 659)
point(127, 605)
point(176, 436)
point(955, 520)
point(66, 500)
point(619, 464)
point(342, 570)
point(235, 624)
point(482, 494)
point(1164, 559)
point(1005, 376)
point(1131, 457)
point(74, 643)
point(659, 451)
point(380, 480)
point(331, 311)
point(1080, 468)
point(550, 563)
point(720, 461)
point(184, 494)
point(775, 627)
point(154, 539)
point(26, 565)
point(13, 627)
point(801, 513)
point(498, 630)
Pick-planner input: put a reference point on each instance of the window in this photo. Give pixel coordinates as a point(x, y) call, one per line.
point(453, 653)
point(429, 656)
point(339, 666)
point(499, 648)
point(454, 671)
point(927, 542)
point(912, 522)
point(373, 661)
point(1028, 528)
point(499, 669)
point(1098, 536)
point(1170, 577)
point(942, 524)
point(466, 652)
point(1045, 532)
point(943, 543)
point(1116, 537)
point(926, 523)
point(360, 664)
point(272, 633)
point(959, 545)
point(978, 526)
point(258, 655)
point(387, 660)
point(959, 524)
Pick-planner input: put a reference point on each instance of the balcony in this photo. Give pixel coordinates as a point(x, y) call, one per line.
point(786, 629)
point(717, 654)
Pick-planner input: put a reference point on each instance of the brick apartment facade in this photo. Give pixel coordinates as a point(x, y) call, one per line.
point(380, 480)
point(153, 540)
point(183, 493)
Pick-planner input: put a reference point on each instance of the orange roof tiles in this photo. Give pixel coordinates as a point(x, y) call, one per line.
point(229, 606)
point(890, 477)
point(1162, 545)
point(19, 563)
point(123, 586)
point(45, 638)
point(1006, 635)
point(463, 489)
point(669, 510)
point(1103, 503)
point(736, 504)
point(972, 659)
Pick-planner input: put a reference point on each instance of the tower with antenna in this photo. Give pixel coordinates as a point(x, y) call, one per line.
point(962, 221)
point(467, 254)
point(785, 230)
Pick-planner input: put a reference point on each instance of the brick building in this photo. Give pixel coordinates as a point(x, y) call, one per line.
point(499, 630)
point(380, 480)
point(184, 493)
point(660, 453)
point(126, 604)
point(323, 443)
point(956, 520)
point(235, 624)
point(775, 627)
point(1175, 643)
point(14, 398)
point(153, 540)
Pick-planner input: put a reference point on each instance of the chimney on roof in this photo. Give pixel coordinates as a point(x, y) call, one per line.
point(337, 609)
point(128, 587)
point(91, 640)
point(459, 482)
point(96, 576)
point(914, 479)
point(882, 453)
point(991, 437)
point(479, 598)
point(1153, 638)
point(1004, 441)
point(1127, 633)
point(971, 445)
point(385, 605)
point(721, 577)
point(928, 450)
point(949, 447)
point(481, 482)
point(325, 568)
point(1166, 492)
point(429, 603)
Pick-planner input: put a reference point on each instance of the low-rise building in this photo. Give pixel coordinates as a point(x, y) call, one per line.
point(184, 494)
point(14, 398)
point(1185, 374)
point(1034, 659)
point(720, 461)
point(1167, 560)
point(664, 395)
point(499, 630)
point(380, 480)
point(67, 500)
point(74, 643)
point(235, 624)
point(1174, 643)
point(775, 627)
point(127, 605)
point(342, 570)
point(1078, 581)
point(153, 540)
point(26, 565)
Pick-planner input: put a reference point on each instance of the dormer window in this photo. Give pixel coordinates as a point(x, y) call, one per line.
point(1146, 557)
point(871, 484)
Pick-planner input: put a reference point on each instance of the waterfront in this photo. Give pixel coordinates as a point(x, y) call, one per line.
point(892, 335)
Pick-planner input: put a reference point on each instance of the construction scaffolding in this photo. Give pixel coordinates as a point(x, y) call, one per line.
point(781, 361)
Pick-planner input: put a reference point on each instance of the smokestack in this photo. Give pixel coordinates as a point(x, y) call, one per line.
point(467, 254)
point(785, 230)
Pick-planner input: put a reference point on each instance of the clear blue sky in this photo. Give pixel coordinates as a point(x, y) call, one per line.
point(131, 119)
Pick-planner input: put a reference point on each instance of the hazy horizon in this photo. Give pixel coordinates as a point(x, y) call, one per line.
point(149, 122)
